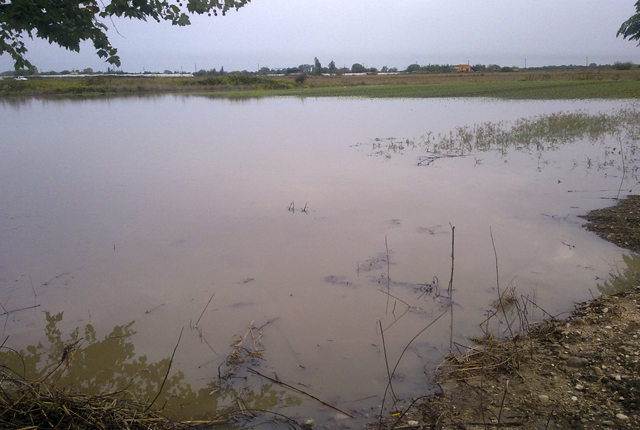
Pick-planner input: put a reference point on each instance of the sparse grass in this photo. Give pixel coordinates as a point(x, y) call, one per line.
point(523, 90)
point(122, 85)
point(615, 132)
point(517, 85)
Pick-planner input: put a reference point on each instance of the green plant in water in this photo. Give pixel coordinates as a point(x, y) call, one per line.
point(532, 135)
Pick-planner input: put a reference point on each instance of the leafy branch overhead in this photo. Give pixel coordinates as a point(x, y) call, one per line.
point(69, 22)
point(631, 28)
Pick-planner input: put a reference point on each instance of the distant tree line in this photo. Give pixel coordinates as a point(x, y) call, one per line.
point(316, 69)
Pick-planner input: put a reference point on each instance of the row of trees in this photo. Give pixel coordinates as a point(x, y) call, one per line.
point(332, 69)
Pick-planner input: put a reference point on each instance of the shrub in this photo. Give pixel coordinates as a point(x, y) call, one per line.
point(623, 66)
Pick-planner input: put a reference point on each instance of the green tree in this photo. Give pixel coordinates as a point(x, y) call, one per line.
point(358, 68)
point(317, 67)
point(69, 22)
point(623, 66)
point(332, 68)
point(631, 28)
point(413, 68)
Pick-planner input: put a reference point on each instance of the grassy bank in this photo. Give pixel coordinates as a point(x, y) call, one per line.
point(524, 90)
point(517, 85)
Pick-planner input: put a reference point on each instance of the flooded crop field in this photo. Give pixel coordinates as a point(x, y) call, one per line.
point(293, 255)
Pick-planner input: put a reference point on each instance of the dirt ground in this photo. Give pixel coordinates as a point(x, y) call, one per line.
point(581, 372)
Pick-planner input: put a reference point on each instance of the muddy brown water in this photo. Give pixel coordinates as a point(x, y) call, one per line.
point(122, 217)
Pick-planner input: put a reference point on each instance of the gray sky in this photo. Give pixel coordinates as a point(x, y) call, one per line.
point(286, 33)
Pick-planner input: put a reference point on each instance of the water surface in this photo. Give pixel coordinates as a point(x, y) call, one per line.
point(123, 217)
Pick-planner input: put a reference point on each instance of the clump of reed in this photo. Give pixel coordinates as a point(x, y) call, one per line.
point(41, 405)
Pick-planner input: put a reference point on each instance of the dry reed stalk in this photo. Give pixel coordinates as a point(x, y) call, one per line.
point(37, 404)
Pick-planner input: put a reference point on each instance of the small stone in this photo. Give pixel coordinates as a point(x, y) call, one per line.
point(608, 423)
point(574, 398)
point(577, 362)
point(412, 423)
point(544, 399)
point(308, 424)
point(622, 417)
point(579, 387)
point(617, 377)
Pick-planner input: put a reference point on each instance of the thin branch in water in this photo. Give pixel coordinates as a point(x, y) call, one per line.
point(400, 358)
point(386, 361)
point(35, 295)
point(395, 320)
point(450, 287)
point(151, 310)
point(297, 390)
point(205, 340)
point(167, 374)
point(495, 253)
point(204, 310)
point(624, 167)
point(388, 274)
point(17, 310)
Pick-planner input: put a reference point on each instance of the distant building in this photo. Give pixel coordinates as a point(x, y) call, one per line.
point(462, 68)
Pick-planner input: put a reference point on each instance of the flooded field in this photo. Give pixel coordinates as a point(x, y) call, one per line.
point(262, 247)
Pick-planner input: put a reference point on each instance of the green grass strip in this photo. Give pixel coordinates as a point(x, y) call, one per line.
point(226, 88)
point(533, 90)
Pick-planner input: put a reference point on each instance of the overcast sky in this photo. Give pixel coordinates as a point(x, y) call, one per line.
point(376, 33)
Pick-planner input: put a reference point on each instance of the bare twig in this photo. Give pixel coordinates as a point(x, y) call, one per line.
point(167, 374)
point(297, 390)
point(204, 310)
point(402, 354)
point(386, 361)
point(495, 253)
point(388, 274)
point(450, 287)
point(18, 310)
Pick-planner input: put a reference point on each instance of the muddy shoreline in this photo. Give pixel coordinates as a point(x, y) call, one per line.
point(580, 372)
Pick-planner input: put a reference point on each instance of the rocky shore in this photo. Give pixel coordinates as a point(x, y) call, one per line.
point(581, 372)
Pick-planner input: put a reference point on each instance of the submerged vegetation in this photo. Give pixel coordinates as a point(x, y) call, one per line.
point(531, 135)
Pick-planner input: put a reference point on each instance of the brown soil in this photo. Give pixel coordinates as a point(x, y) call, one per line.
point(619, 224)
point(578, 373)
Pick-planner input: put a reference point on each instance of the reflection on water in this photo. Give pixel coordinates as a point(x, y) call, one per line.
point(82, 361)
point(623, 279)
point(145, 209)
